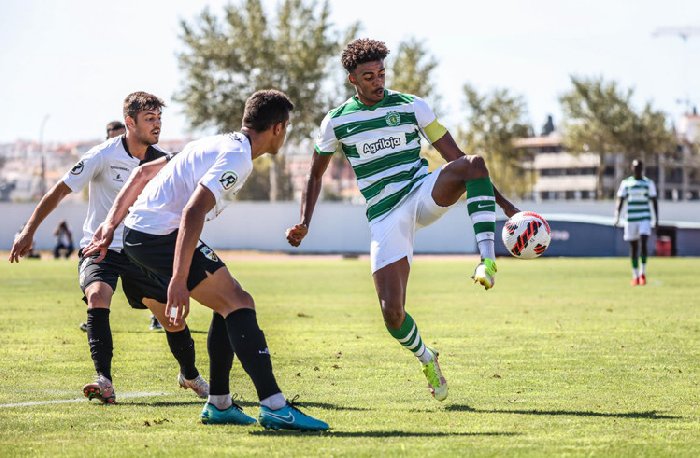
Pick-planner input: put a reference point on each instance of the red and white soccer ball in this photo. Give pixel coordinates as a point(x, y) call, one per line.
point(526, 235)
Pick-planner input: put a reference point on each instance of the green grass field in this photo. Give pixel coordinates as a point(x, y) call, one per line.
point(563, 357)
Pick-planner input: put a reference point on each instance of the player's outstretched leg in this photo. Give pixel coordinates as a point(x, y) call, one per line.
point(470, 173)
point(481, 206)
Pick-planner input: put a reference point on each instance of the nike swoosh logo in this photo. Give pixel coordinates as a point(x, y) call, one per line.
point(484, 206)
point(133, 244)
point(350, 129)
point(289, 418)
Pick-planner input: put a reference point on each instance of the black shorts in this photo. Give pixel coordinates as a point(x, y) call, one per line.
point(155, 254)
point(136, 284)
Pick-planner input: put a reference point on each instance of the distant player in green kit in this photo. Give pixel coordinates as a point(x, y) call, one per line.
point(379, 132)
point(638, 190)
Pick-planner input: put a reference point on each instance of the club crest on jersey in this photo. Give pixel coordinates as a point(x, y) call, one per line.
point(228, 179)
point(393, 118)
point(77, 168)
point(209, 253)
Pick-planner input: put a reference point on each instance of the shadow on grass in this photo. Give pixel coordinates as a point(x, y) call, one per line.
point(155, 333)
point(327, 406)
point(651, 414)
point(199, 402)
point(194, 402)
point(377, 433)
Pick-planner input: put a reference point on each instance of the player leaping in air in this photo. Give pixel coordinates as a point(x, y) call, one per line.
point(379, 132)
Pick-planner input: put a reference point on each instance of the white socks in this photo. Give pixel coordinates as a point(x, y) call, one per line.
point(220, 401)
point(274, 402)
point(223, 401)
point(487, 249)
point(426, 356)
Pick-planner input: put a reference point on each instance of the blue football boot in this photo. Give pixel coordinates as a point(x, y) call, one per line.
point(234, 415)
point(289, 417)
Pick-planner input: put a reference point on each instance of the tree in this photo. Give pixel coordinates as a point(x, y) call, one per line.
point(412, 71)
point(226, 60)
point(494, 120)
point(257, 187)
point(599, 117)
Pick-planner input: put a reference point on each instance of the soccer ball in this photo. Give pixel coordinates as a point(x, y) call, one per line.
point(526, 235)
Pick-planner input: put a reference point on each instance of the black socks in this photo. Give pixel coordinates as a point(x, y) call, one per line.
point(182, 348)
point(220, 356)
point(249, 343)
point(99, 336)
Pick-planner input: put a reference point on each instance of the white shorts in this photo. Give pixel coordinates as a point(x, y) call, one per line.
point(393, 235)
point(635, 229)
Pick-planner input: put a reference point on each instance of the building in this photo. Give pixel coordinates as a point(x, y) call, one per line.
point(560, 174)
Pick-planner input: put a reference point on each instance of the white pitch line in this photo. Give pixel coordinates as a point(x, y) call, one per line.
point(136, 394)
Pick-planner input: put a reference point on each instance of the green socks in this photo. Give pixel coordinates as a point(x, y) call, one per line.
point(409, 337)
point(481, 206)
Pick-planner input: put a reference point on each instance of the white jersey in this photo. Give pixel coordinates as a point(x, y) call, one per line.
point(105, 169)
point(221, 163)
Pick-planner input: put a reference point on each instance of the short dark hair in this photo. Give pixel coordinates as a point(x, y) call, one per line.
point(362, 50)
point(141, 101)
point(266, 108)
point(115, 125)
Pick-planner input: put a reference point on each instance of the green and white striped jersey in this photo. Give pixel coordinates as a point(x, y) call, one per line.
point(637, 193)
point(382, 143)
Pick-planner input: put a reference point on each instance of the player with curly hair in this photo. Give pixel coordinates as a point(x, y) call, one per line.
point(379, 132)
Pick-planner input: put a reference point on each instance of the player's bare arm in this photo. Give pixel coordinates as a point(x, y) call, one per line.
point(618, 209)
point(138, 179)
point(319, 164)
point(448, 149)
point(191, 224)
point(48, 203)
point(655, 204)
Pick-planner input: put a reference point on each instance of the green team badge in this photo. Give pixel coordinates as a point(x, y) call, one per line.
point(393, 118)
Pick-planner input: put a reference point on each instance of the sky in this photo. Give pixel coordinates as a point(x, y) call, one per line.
point(67, 65)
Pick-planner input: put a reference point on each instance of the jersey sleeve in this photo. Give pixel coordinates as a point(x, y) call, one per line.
point(428, 123)
point(652, 189)
point(424, 114)
point(84, 170)
point(622, 190)
point(226, 177)
point(326, 142)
